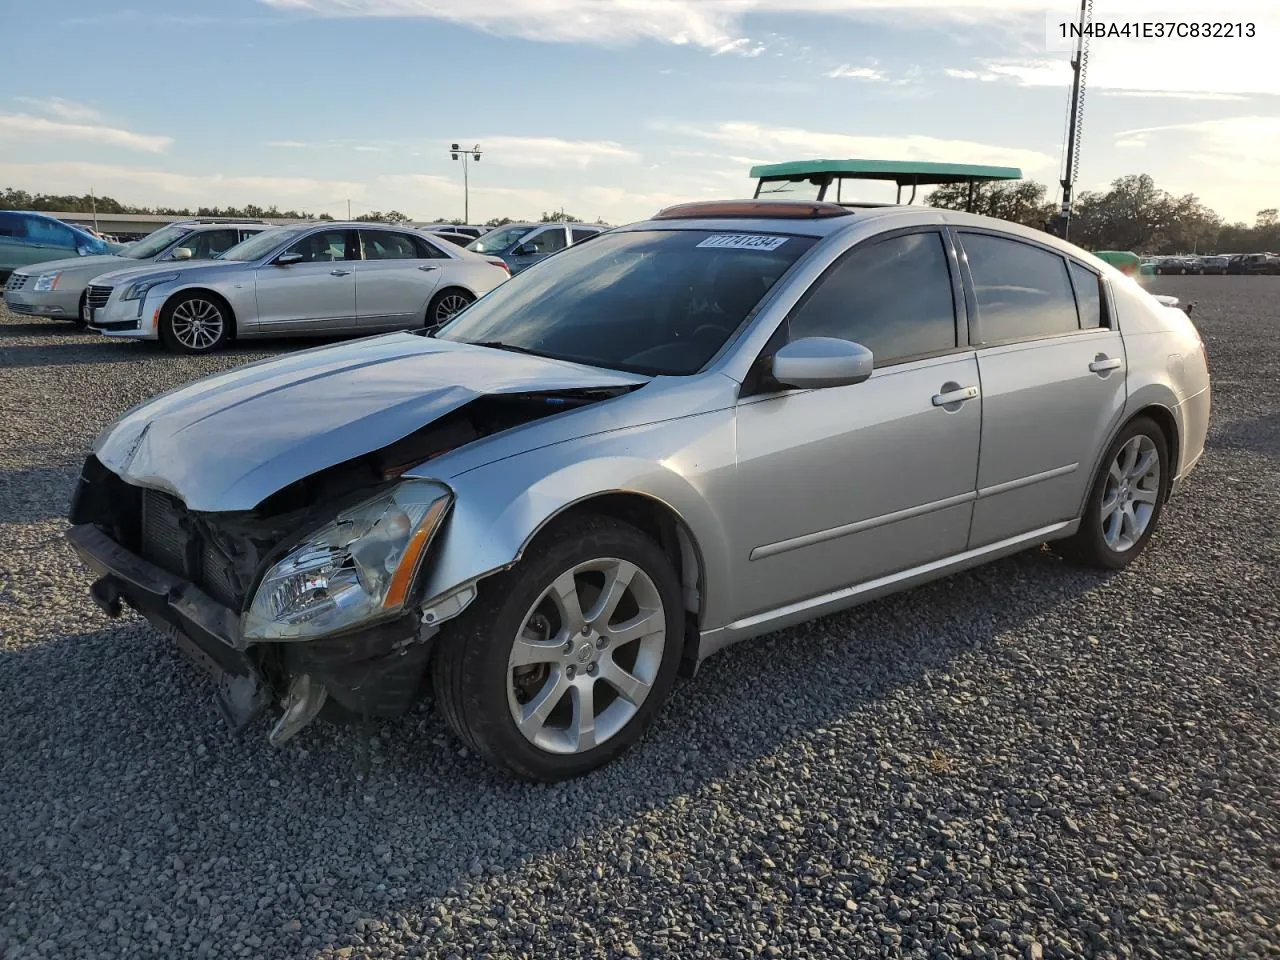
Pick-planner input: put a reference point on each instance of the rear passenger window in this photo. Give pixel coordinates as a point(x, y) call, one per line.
point(1023, 292)
point(1088, 296)
point(428, 250)
point(892, 296)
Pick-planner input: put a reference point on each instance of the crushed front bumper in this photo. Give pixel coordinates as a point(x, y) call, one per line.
point(375, 672)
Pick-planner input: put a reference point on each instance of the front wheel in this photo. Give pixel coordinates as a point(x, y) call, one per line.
point(445, 305)
point(195, 323)
point(1125, 501)
point(562, 663)
point(81, 319)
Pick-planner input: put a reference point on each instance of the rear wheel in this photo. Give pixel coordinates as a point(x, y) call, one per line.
point(562, 663)
point(445, 305)
point(194, 323)
point(1125, 502)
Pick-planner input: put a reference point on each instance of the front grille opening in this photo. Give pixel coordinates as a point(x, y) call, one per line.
point(174, 542)
point(97, 296)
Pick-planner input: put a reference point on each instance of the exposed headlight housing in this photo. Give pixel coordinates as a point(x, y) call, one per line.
point(46, 282)
point(138, 289)
point(358, 568)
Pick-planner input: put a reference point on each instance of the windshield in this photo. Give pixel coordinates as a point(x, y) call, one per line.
point(495, 241)
point(650, 301)
point(155, 243)
point(260, 244)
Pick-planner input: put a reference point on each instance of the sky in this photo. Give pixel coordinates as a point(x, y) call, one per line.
point(613, 108)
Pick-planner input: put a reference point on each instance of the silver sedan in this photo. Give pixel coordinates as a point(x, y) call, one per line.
point(693, 430)
point(308, 280)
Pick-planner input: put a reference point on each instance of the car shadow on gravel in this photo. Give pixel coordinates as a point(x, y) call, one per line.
point(120, 708)
point(1259, 435)
point(33, 494)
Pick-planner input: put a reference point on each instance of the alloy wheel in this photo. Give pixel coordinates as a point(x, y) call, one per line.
point(197, 324)
point(1131, 493)
point(587, 656)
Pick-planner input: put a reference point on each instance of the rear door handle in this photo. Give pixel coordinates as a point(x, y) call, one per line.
point(427, 267)
point(1102, 363)
point(339, 273)
point(955, 396)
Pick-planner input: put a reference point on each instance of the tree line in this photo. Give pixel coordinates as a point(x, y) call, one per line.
point(14, 199)
point(1133, 214)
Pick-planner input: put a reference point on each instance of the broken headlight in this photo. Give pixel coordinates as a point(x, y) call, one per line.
point(359, 567)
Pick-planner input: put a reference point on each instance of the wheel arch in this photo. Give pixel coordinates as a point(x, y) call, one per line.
point(211, 294)
point(1165, 419)
point(661, 523)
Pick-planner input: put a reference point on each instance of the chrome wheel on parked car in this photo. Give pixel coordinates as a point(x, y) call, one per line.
point(446, 305)
point(194, 324)
point(586, 656)
point(1131, 493)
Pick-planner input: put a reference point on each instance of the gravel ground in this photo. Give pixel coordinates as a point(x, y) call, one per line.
point(1024, 761)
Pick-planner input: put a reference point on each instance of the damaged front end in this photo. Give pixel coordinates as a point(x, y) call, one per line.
point(314, 596)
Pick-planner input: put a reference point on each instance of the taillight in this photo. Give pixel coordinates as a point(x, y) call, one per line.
point(503, 264)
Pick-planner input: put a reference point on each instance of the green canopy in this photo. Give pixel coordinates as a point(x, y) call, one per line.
point(903, 173)
point(1123, 260)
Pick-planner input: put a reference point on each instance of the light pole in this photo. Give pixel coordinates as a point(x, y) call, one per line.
point(472, 154)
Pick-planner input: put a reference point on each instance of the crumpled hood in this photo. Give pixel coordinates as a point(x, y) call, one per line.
point(229, 441)
point(102, 261)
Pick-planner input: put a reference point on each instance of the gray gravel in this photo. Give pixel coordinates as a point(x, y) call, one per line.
point(1024, 761)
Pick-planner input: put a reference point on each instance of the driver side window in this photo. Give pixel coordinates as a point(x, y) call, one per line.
point(325, 247)
point(548, 241)
point(893, 296)
point(50, 233)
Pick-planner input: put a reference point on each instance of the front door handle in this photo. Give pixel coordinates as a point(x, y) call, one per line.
point(428, 267)
point(959, 395)
point(1102, 363)
point(339, 273)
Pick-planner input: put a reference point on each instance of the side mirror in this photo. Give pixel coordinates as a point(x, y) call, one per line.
point(816, 362)
point(524, 250)
point(287, 258)
point(82, 250)
point(182, 253)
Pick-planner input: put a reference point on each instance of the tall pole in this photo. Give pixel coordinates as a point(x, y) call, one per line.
point(1072, 162)
point(465, 155)
point(348, 211)
point(93, 203)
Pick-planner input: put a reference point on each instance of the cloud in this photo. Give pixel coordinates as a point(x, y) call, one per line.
point(22, 126)
point(552, 152)
point(1233, 162)
point(62, 109)
point(846, 72)
point(152, 186)
point(715, 25)
point(288, 144)
point(768, 144)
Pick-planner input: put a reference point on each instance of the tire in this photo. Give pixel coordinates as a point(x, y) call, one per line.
point(480, 687)
point(1111, 543)
point(79, 319)
point(444, 305)
point(195, 323)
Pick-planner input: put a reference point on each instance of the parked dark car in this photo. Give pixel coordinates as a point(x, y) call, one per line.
point(1254, 263)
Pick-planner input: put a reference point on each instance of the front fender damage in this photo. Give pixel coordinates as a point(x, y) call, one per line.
point(377, 671)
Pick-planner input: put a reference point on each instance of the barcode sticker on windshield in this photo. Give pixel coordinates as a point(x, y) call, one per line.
point(743, 241)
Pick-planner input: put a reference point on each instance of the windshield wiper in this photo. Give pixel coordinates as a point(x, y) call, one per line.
point(499, 345)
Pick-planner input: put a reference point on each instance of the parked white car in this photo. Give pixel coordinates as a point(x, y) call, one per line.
point(303, 280)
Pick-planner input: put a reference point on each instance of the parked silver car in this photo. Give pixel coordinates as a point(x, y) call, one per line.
point(57, 288)
point(693, 430)
point(308, 280)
